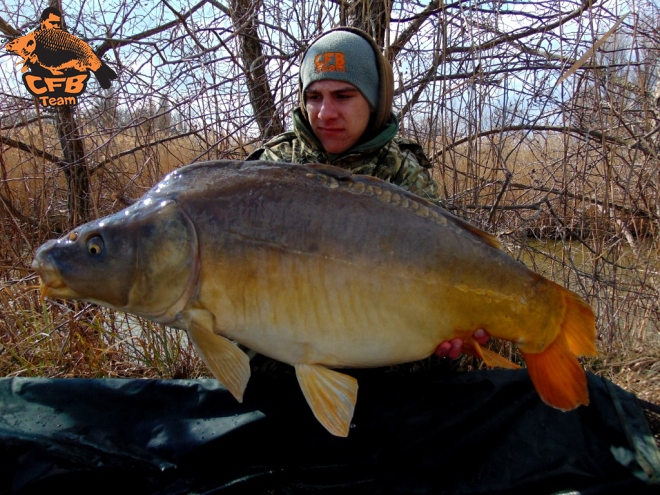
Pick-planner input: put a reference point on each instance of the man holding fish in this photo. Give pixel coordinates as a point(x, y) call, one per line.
point(320, 268)
point(345, 119)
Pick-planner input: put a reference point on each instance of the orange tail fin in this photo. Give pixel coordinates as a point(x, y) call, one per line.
point(579, 325)
point(556, 373)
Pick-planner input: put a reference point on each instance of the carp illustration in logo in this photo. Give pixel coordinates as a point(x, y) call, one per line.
point(50, 51)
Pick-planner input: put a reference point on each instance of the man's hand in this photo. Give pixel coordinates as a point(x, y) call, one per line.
point(454, 348)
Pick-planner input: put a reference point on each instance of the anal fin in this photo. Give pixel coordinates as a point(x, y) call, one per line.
point(492, 359)
point(330, 394)
point(227, 362)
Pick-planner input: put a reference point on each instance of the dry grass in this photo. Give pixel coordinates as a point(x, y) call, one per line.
point(635, 369)
point(72, 339)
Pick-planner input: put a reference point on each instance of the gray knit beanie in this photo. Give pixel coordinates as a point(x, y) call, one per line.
point(342, 56)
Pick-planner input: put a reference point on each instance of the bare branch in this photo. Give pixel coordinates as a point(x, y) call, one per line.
point(8, 30)
point(30, 149)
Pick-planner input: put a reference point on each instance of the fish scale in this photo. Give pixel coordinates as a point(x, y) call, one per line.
point(322, 270)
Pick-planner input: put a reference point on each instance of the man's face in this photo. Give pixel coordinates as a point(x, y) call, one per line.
point(53, 22)
point(338, 113)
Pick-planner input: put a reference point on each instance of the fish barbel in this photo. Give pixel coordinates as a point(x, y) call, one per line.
point(320, 269)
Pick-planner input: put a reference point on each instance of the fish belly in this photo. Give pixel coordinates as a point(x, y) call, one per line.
point(301, 308)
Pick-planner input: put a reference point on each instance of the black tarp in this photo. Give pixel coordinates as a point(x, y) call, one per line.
point(478, 432)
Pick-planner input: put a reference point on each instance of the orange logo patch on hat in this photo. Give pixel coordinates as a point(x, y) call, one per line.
point(330, 62)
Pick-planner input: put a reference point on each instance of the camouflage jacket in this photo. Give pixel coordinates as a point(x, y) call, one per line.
point(387, 156)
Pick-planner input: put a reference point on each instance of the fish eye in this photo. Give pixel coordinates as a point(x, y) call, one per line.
point(95, 245)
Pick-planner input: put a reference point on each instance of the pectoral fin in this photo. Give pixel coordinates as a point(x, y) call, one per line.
point(330, 394)
point(492, 359)
point(226, 361)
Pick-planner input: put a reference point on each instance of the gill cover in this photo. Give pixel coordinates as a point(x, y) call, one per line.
point(167, 262)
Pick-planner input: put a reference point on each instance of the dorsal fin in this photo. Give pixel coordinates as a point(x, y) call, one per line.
point(329, 170)
point(489, 239)
point(346, 176)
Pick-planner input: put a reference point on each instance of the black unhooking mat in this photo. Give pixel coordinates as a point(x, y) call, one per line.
point(480, 432)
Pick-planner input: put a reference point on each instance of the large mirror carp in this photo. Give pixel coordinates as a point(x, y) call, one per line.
point(320, 269)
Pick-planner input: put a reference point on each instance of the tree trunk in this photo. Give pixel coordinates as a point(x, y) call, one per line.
point(73, 158)
point(74, 166)
point(372, 16)
point(244, 15)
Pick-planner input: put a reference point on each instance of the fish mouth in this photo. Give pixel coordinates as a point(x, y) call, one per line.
point(51, 284)
point(55, 289)
point(50, 289)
